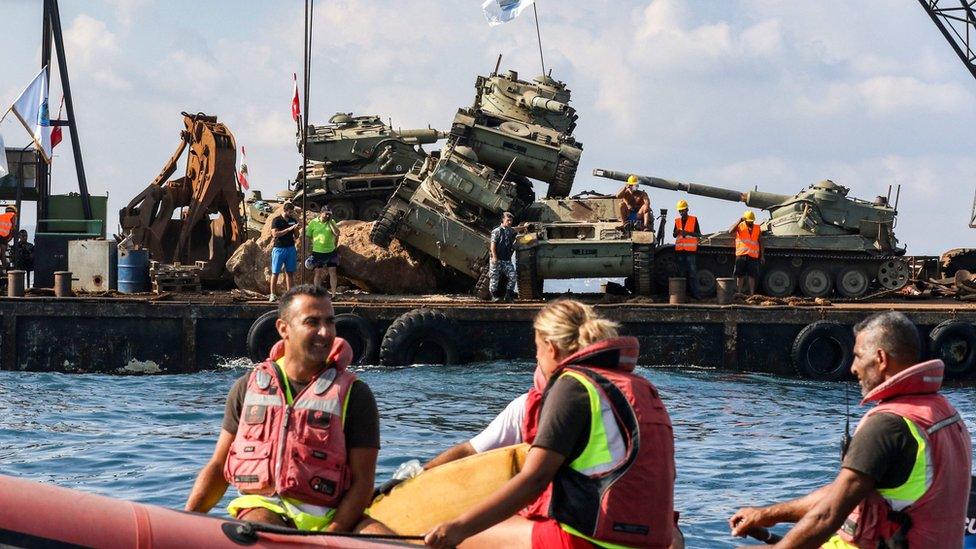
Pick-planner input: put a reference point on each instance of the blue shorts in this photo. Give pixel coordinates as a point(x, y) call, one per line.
point(284, 259)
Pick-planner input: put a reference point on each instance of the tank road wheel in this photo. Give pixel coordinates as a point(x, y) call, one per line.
point(385, 227)
point(562, 183)
point(643, 269)
point(852, 282)
point(529, 285)
point(954, 341)
point(262, 335)
point(823, 351)
point(342, 209)
point(893, 274)
point(421, 336)
point(370, 210)
point(778, 282)
point(361, 336)
point(816, 282)
point(665, 266)
point(707, 285)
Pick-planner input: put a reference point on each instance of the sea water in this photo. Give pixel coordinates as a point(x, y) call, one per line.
point(741, 439)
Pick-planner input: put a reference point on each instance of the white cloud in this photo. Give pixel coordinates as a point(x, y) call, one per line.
point(886, 95)
point(94, 53)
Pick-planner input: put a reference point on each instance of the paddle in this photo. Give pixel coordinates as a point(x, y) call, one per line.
point(764, 535)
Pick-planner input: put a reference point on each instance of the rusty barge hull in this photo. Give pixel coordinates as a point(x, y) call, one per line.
point(104, 335)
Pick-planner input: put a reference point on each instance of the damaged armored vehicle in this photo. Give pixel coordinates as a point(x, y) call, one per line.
point(355, 163)
point(523, 128)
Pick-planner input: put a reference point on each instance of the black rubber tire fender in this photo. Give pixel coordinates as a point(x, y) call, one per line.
point(945, 342)
point(421, 334)
point(836, 365)
point(262, 335)
point(361, 336)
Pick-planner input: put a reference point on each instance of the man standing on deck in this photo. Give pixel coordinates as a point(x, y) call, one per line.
point(748, 252)
point(324, 234)
point(686, 233)
point(300, 433)
point(284, 256)
point(23, 256)
point(904, 479)
point(501, 248)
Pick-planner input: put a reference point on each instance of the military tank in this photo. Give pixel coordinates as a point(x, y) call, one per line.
point(524, 128)
point(447, 206)
point(815, 242)
point(355, 163)
point(581, 238)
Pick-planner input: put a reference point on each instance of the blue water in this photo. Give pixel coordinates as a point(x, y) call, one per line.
point(740, 438)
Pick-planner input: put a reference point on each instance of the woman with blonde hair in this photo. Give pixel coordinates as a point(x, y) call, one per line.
point(600, 471)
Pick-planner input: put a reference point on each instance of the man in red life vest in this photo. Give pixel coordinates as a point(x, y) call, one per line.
point(300, 434)
point(904, 480)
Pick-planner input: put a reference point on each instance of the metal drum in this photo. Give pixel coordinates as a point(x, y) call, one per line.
point(133, 271)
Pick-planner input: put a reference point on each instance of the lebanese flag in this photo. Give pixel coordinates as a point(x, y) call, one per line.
point(296, 106)
point(242, 174)
point(56, 131)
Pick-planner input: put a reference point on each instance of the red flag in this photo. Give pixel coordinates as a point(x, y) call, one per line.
point(242, 175)
point(296, 107)
point(56, 136)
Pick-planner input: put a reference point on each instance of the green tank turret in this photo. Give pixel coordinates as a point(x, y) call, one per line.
point(522, 127)
point(355, 163)
point(816, 241)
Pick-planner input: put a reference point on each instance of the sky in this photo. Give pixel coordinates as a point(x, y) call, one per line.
point(737, 93)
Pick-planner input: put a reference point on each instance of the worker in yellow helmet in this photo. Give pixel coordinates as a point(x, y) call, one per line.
point(635, 206)
point(748, 252)
point(686, 234)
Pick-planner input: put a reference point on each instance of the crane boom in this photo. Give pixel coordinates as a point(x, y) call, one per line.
point(958, 26)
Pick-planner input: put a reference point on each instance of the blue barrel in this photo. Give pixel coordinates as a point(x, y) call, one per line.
point(133, 271)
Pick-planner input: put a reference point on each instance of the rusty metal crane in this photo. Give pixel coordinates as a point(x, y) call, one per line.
point(211, 226)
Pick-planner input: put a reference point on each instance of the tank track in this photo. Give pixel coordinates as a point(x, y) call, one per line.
point(837, 260)
point(643, 269)
point(482, 288)
point(529, 285)
point(562, 183)
point(385, 227)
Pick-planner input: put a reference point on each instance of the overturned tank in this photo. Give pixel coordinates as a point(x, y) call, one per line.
point(446, 208)
point(355, 163)
point(582, 238)
point(815, 242)
point(522, 127)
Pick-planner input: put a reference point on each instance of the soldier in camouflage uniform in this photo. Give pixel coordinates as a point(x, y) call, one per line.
point(502, 248)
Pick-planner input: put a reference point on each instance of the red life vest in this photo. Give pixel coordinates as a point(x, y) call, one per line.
point(7, 220)
point(747, 240)
point(632, 501)
point(934, 519)
point(296, 450)
point(688, 243)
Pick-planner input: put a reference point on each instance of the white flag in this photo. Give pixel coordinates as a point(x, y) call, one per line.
point(4, 170)
point(503, 11)
point(31, 109)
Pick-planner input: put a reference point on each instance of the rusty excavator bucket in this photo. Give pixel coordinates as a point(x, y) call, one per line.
point(209, 226)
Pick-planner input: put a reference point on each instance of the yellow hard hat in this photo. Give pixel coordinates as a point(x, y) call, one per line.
point(682, 206)
point(749, 216)
point(632, 180)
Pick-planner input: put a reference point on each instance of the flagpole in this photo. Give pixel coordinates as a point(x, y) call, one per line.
point(538, 36)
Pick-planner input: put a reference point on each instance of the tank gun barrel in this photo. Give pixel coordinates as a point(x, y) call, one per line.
point(536, 101)
point(753, 199)
point(421, 136)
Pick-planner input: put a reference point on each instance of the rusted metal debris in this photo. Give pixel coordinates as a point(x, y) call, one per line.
point(209, 186)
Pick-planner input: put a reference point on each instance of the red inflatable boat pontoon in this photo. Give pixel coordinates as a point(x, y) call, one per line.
point(33, 514)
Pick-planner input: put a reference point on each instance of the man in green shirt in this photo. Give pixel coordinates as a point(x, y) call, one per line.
point(324, 234)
